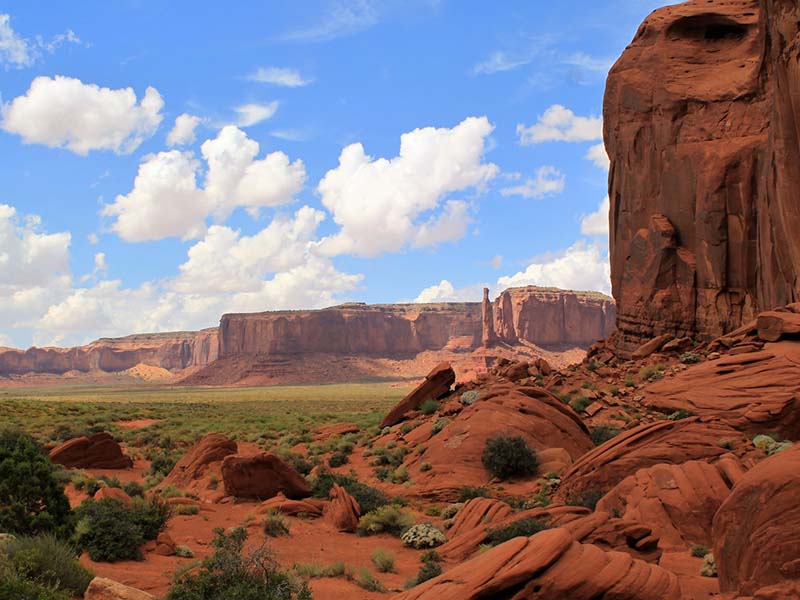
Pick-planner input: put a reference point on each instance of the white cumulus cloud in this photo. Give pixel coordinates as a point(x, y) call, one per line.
point(596, 223)
point(445, 291)
point(560, 124)
point(64, 112)
point(279, 76)
point(597, 154)
point(18, 52)
point(254, 113)
point(182, 132)
point(548, 181)
point(381, 205)
point(581, 267)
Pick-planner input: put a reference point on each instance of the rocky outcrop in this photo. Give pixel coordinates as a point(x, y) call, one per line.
point(700, 121)
point(547, 566)
point(310, 507)
point(488, 334)
point(97, 451)
point(678, 502)
point(198, 463)
point(436, 385)
point(452, 456)
point(342, 512)
point(548, 316)
point(172, 351)
point(262, 477)
point(757, 529)
point(671, 442)
point(105, 589)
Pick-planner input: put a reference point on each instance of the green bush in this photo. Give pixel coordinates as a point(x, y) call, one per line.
point(109, 531)
point(32, 499)
point(229, 575)
point(389, 519)
point(469, 492)
point(586, 498)
point(133, 489)
point(162, 463)
point(427, 571)
point(383, 560)
point(423, 535)
point(429, 407)
point(47, 561)
point(699, 551)
point(14, 586)
point(602, 433)
point(338, 459)
point(580, 404)
point(275, 526)
point(506, 457)
point(522, 528)
point(368, 498)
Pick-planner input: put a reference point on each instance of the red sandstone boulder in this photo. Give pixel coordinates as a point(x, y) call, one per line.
point(773, 325)
point(343, 511)
point(677, 502)
point(436, 385)
point(648, 445)
point(754, 392)
point(326, 431)
point(200, 463)
point(477, 512)
point(113, 493)
point(453, 456)
point(757, 529)
point(550, 565)
point(101, 588)
point(279, 503)
point(262, 477)
point(97, 451)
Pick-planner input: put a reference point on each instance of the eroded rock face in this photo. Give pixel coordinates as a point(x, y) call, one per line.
point(105, 589)
point(97, 451)
point(757, 529)
point(550, 565)
point(342, 512)
point(201, 462)
point(172, 351)
point(436, 384)
point(262, 477)
point(704, 169)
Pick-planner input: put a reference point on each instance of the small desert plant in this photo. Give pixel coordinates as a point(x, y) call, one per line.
point(366, 581)
point(368, 498)
point(709, 568)
point(603, 433)
point(522, 528)
point(275, 525)
point(184, 552)
point(423, 535)
point(469, 492)
point(586, 498)
point(470, 397)
point(338, 459)
point(47, 561)
point(187, 510)
point(580, 404)
point(429, 407)
point(439, 424)
point(699, 551)
point(389, 519)
point(680, 414)
point(383, 560)
point(450, 511)
point(690, 358)
point(425, 467)
point(507, 457)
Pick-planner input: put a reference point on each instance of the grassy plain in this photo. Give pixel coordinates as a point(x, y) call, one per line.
point(183, 414)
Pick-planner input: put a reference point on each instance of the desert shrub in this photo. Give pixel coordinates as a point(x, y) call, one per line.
point(366, 581)
point(427, 571)
point(14, 586)
point(229, 575)
point(451, 510)
point(423, 535)
point(580, 404)
point(47, 561)
point(602, 433)
point(275, 526)
point(470, 492)
point(187, 510)
point(338, 459)
point(389, 519)
point(439, 424)
point(506, 457)
point(109, 531)
point(429, 407)
point(680, 414)
point(133, 489)
point(651, 373)
point(690, 358)
point(162, 463)
point(699, 551)
point(383, 560)
point(586, 498)
point(425, 467)
point(368, 498)
point(709, 568)
point(470, 397)
point(400, 475)
point(184, 552)
point(771, 443)
point(32, 499)
point(297, 461)
point(522, 528)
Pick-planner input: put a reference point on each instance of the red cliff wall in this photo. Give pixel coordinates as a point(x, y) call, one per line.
point(172, 351)
point(702, 132)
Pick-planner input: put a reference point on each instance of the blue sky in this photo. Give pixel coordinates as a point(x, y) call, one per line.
point(283, 183)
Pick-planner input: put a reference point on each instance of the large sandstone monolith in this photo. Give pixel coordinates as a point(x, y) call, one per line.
point(488, 335)
point(700, 121)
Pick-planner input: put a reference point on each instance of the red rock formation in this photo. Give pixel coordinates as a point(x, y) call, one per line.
point(97, 451)
point(436, 385)
point(342, 512)
point(101, 588)
point(647, 445)
point(172, 351)
point(678, 502)
point(197, 463)
point(757, 529)
point(488, 335)
point(550, 565)
point(114, 494)
point(262, 477)
point(700, 124)
point(546, 316)
point(311, 507)
point(453, 456)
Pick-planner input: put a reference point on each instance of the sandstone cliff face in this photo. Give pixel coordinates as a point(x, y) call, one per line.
point(701, 129)
point(545, 317)
point(171, 351)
